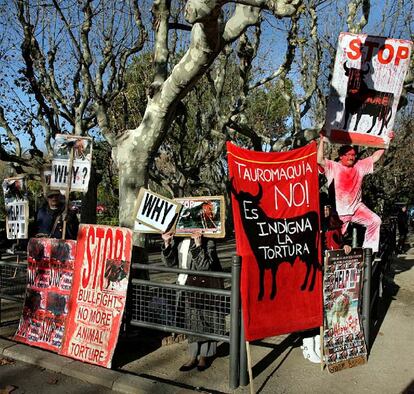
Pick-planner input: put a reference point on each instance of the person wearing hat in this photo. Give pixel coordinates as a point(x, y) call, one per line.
point(49, 218)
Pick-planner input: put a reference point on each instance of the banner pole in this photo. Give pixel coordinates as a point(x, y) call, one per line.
point(321, 347)
point(249, 367)
point(67, 192)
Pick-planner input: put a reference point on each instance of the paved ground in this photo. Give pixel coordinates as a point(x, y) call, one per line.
point(142, 365)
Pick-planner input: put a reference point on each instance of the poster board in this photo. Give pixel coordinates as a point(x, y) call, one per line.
point(67, 150)
point(205, 214)
point(275, 201)
point(156, 211)
point(343, 339)
point(143, 229)
point(367, 80)
point(50, 267)
point(16, 207)
point(98, 295)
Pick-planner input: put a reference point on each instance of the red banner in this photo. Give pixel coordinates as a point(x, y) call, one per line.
point(275, 200)
point(98, 294)
point(50, 266)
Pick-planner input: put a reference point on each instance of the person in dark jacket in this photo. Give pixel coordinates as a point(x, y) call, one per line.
point(198, 254)
point(402, 222)
point(49, 219)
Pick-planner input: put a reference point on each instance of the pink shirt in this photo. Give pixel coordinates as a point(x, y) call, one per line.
point(348, 183)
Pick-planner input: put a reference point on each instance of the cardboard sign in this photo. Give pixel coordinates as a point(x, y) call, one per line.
point(203, 214)
point(275, 200)
point(143, 229)
point(344, 342)
point(98, 294)
point(17, 207)
point(156, 211)
point(366, 86)
point(75, 152)
point(50, 267)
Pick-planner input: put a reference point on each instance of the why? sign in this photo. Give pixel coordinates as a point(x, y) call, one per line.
point(71, 165)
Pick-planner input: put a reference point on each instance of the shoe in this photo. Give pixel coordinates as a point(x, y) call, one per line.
point(203, 364)
point(308, 348)
point(188, 366)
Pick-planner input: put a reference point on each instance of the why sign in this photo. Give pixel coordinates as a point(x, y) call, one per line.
point(156, 211)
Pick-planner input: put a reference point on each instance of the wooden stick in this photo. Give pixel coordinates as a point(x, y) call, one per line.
point(67, 192)
point(249, 367)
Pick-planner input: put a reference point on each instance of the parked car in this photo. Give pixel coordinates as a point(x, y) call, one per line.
point(100, 208)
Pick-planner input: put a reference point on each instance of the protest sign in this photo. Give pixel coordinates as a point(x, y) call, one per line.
point(156, 211)
point(98, 295)
point(344, 342)
point(143, 229)
point(50, 266)
point(203, 214)
point(71, 165)
point(275, 199)
point(366, 86)
point(17, 207)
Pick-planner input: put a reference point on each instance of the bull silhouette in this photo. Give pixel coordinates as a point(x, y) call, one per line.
point(311, 259)
point(361, 100)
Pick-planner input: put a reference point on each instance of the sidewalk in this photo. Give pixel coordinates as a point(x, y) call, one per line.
point(142, 365)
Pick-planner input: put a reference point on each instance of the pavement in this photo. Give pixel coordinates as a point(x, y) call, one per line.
point(142, 365)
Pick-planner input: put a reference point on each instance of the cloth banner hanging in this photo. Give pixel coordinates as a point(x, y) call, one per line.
point(275, 198)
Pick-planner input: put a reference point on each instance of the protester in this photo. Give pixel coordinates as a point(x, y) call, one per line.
point(198, 254)
point(49, 219)
point(402, 222)
point(347, 175)
point(331, 231)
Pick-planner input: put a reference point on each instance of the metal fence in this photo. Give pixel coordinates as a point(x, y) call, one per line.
point(209, 313)
point(12, 289)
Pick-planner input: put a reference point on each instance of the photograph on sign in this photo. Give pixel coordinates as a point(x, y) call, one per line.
point(366, 85)
point(16, 207)
point(156, 211)
point(343, 339)
point(15, 189)
point(75, 152)
point(50, 267)
point(205, 214)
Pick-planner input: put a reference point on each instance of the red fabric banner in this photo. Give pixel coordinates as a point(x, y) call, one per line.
point(98, 295)
point(275, 200)
point(50, 266)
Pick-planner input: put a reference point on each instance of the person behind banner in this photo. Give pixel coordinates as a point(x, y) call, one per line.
point(200, 254)
point(402, 222)
point(332, 231)
point(347, 175)
point(49, 218)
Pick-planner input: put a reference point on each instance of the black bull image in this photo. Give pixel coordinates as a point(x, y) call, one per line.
point(310, 237)
point(361, 100)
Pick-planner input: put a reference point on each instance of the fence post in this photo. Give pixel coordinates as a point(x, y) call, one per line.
point(366, 297)
point(354, 238)
point(244, 377)
point(234, 323)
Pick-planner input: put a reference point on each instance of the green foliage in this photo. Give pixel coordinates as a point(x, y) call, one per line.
point(108, 188)
point(268, 111)
point(393, 180)
point(128, 108)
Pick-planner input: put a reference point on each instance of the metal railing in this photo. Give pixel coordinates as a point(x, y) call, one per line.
point(12, 286)
point(209, 313)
